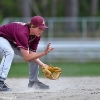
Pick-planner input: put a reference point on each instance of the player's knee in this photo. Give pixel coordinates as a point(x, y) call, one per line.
point(10, 53)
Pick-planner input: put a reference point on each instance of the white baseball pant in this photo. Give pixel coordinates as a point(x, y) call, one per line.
point(8, 51)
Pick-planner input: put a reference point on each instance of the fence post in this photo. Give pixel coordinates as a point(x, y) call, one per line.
point(84, 28)
point(50, 25)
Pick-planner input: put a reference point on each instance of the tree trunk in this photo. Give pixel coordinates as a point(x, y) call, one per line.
point(35, 7)
point(93, 12)
point(71, 7)
point(93, 7)
point(25, 8)
point(44, 7)
point(54, 8)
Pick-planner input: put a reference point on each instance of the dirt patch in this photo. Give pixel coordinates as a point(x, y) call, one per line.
point(65, 88)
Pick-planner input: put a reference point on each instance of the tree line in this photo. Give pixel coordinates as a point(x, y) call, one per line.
point(49, 8)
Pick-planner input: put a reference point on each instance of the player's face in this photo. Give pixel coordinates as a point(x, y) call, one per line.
point(36, 31)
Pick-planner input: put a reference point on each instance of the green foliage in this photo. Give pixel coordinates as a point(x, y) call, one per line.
point(11, 8)
point(61, 8)
point(98, 12)
point(1, 18)
point(84, 8)
point(68, 69)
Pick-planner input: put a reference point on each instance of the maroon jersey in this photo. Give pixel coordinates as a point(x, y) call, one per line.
point(17, 33)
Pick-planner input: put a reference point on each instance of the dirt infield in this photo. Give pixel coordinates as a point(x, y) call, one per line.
point(65, 88)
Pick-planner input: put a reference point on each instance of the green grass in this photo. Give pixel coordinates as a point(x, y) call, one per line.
point(68, 69)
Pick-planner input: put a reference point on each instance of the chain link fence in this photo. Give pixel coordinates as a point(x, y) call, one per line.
point(74, 39)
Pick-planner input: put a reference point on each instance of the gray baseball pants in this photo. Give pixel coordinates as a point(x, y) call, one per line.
point(8, 51)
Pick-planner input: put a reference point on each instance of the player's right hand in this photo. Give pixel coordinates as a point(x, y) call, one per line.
point(48, 49)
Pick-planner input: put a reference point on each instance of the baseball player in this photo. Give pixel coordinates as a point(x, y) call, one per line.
point(22, 39)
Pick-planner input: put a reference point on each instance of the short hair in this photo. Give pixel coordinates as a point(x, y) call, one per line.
point(28, 24)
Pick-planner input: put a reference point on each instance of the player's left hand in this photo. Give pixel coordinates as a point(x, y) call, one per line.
point(51, 72)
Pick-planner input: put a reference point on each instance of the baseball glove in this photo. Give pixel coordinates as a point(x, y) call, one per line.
point(51, 72)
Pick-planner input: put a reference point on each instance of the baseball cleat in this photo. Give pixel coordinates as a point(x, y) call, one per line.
point(38, 85)
point(4, 86)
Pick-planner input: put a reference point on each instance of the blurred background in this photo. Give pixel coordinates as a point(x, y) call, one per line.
point(74, 31)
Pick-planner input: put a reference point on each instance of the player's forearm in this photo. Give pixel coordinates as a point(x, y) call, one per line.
point(39, 62)
point(30, 57)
